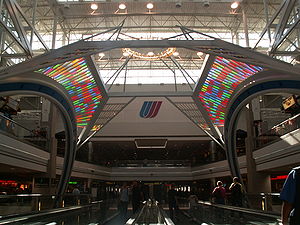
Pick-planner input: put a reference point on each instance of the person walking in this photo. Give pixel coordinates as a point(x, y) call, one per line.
point(124, 199)
point(136, 197)
point(290, 195)
point(219, 193)
point(236, 193)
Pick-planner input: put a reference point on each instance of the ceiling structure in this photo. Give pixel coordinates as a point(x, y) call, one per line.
point(32, 27)
point(44, 25)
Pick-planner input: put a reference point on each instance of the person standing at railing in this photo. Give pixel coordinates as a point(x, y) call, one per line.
point(236, 192)
point(219, 193)
point(76, 194)
point(172, 200)
point(193, 202)
point(124, 199)
point(290, 194)
point(136, 196)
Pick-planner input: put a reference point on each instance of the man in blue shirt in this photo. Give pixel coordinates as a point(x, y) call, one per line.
point(291, 198)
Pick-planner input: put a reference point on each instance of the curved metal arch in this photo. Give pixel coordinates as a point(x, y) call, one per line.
point(263, 82)
point(58, 97)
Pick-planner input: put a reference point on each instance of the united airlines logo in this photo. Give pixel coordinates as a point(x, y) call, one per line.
point(150, 109)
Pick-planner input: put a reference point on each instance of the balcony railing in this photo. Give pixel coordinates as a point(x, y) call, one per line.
point(277, 131)
point(16, 130)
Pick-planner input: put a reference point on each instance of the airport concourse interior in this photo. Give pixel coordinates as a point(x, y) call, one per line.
point(144, 112)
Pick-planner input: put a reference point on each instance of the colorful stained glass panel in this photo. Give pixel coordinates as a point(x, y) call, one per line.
point(223, 78)
point(79, 82)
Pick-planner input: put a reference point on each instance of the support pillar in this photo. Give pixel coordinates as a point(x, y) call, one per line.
point(52, 149)
point(237, 38)
point(213, 183)
point(257, 182)
point(33, 21)
point(90, 152)
point(213, 146)
point(54, 32)
point(245, 22)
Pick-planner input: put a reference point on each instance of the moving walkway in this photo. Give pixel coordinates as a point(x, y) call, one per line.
point(152, 213)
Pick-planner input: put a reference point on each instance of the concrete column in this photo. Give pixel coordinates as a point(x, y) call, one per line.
point(151, 195)
point(213, 183)
point(237, 38)
point(213, 147)
point(52, 148)
point(257, 182)
point(245, 23)
point(90, 153)
point(33, 21)
point(54, 32)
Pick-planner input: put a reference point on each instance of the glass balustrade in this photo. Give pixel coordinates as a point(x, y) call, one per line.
point(16, 130)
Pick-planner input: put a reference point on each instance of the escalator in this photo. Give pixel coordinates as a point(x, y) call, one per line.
point(101, 213)
point(212, 214)
point(93, 214)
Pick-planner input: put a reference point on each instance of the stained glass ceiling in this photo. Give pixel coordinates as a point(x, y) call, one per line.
point(223, 78)
point(177, 70)
point(76, 77)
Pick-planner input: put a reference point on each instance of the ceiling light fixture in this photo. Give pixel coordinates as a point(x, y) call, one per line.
point(94, 6)
point(125, 54)
point(122, 6)
point(150, 5)
point(101, 55)
point(199, 54)
point(234, 5)
point(150, 55)
point(176, 54)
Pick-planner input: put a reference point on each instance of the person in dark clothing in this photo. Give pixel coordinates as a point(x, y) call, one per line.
point(124, 199)
point(136, 196)
point(145, 192)
point(172, 200)
point(291, 198)
point(219, 193)
point(236, 193)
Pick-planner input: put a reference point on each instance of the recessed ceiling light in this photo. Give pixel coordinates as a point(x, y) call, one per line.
point(150, 54)
point(126, 54)
point(94, 6)
point(176, 54)
point(234, 5)
point(122, 6)
point(101, 54)
point(150, 5)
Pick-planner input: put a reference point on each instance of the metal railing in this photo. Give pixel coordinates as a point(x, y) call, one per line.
point(64, 215)
point(16, 130)
point(12, 205)
point(151, 213)
point(277, 131)
point(224, 214)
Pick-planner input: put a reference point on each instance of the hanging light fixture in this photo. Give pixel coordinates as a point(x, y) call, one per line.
point(234, 5)
point(150, 5)
point(176, 54)
point(122, 6)
point(199, 54)
point(126, 54)
point(94, 6)
point(150, 55)
point(101, 55)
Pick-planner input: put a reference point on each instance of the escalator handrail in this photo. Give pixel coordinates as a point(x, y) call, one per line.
point(167, 220)
point(27, 216)
point(24, 217)
point(242, 210)
point(41, 195)
point(133, 220)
